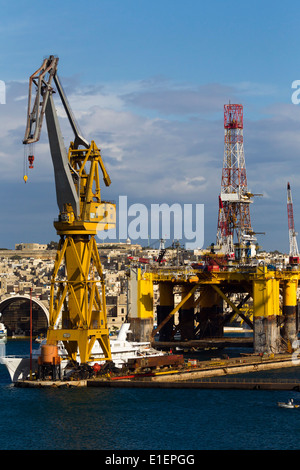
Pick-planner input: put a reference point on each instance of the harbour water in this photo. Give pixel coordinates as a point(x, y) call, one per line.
point(145, 419)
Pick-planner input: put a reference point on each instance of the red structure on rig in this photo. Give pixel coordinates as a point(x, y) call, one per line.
point(234, 201)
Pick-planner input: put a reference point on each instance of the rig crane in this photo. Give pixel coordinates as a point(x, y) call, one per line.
point(77, 314)
point(224, 238)
point(294, 252)
point(162, 251)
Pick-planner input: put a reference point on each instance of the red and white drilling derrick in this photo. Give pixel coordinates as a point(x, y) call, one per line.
point(234, 224)
point(294, 252)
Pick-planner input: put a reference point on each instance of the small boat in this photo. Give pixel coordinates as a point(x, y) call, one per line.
point(39, 339)
point(289, 404)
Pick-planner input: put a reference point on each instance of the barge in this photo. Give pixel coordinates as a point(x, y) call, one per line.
point(187, 374)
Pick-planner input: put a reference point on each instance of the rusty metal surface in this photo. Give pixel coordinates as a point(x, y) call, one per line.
point(245, 342)
point(156, 361)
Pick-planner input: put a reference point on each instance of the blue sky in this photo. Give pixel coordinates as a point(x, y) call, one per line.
point(148, 81)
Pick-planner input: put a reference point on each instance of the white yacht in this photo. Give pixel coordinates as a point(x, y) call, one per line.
point(3, 333)
point(121, 351)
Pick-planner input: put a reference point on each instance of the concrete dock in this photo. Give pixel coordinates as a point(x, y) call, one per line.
point(238, 384)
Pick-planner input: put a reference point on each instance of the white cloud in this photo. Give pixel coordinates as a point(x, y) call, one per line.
point(181, 100)
point(153, 157)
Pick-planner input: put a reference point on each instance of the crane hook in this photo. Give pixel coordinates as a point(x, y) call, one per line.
point(31, 160)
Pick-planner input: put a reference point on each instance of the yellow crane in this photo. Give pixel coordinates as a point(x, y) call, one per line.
point(77, 314)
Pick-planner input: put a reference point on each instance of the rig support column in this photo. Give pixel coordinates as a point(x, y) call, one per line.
point(289, 329)
point(266, 313)
point(210, 317)
point(141, 298)
point(186, 315)
point(165, 306)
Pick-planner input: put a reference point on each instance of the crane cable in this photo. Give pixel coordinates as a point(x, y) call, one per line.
point(25, 177)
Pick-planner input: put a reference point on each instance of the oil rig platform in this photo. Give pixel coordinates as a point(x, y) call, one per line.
point(263, 297)
point(198, 301)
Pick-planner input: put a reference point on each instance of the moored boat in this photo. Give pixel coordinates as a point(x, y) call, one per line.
point(3, 333)
point(289, 404)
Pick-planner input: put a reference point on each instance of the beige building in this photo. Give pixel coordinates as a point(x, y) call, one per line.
point(116, 311)
point(30, 246)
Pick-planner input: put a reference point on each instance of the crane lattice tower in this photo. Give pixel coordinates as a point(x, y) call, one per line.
point(234, 191)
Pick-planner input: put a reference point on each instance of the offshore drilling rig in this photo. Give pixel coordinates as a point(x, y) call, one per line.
point(231, 280)
point(77, 308)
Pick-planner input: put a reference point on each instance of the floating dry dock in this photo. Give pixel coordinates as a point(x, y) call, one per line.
point(242, 384)
point(204, 374)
